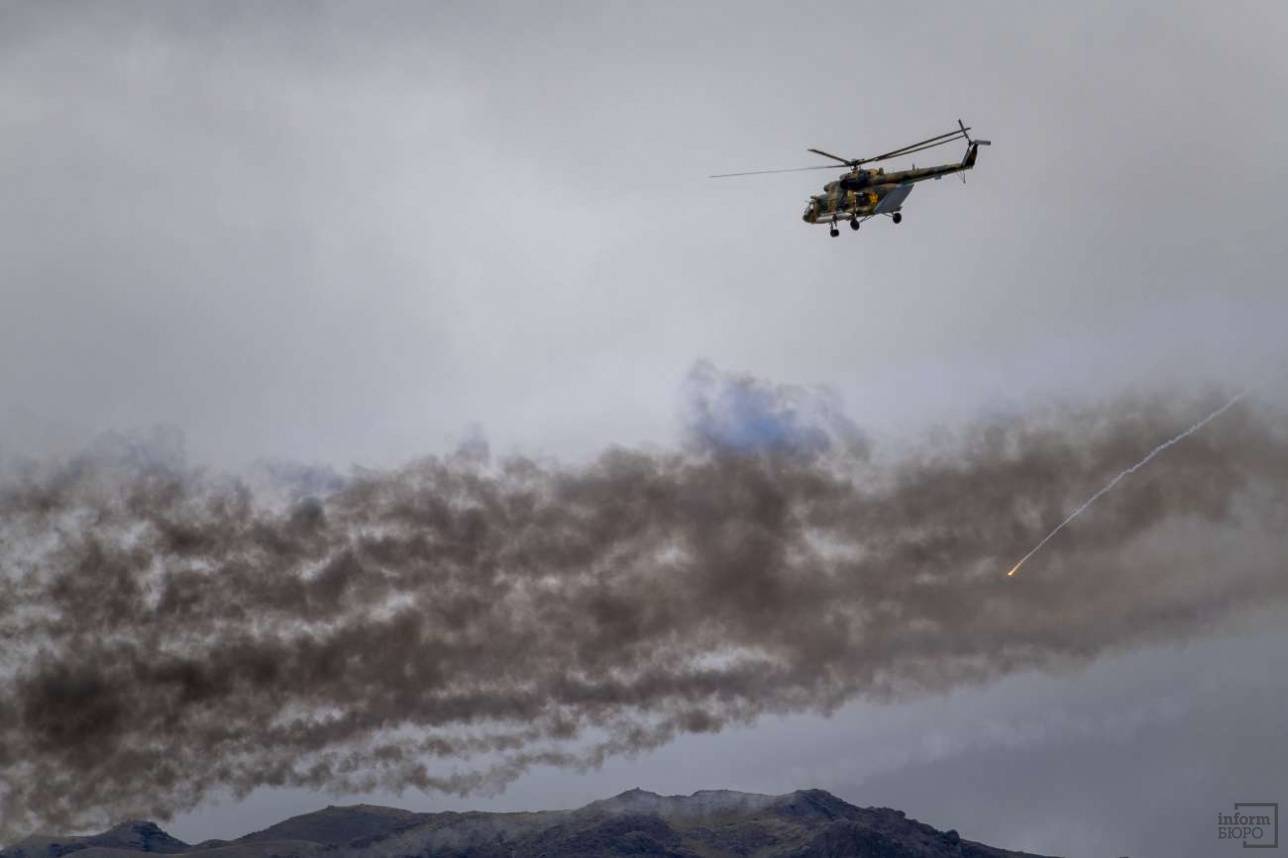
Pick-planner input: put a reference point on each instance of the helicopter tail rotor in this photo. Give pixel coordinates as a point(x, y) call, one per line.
point(972, 146)
point(973, 141)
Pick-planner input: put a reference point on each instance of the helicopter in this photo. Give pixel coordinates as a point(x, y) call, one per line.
point(862, 194)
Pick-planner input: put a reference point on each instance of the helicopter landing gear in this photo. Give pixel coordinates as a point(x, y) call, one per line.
point(854, 224)
point(896, 217)
point(832, 230)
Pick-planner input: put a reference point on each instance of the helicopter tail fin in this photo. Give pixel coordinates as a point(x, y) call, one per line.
point(972, 152)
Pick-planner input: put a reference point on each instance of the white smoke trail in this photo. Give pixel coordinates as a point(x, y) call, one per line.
point(1152, 453)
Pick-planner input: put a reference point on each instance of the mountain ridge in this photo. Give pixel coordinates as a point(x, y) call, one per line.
point(705, 824)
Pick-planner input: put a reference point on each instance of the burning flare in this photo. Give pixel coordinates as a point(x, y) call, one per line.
point(1152, 453)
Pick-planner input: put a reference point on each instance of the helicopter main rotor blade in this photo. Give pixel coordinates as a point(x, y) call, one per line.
point(928, 143)
point(846, 161)
point(946, 136)
point(765, 172)
point(910, 150)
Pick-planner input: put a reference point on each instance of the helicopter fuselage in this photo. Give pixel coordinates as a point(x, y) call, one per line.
point(865, 192)
point(858, 193)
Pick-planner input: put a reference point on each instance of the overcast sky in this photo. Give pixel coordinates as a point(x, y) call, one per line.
point(352, 234)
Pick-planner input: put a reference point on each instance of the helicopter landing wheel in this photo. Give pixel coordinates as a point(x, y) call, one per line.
point(833, 231)
point(854, 224)
point(896, 217)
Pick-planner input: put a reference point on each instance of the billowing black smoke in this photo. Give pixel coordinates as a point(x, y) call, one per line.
point(167, 633)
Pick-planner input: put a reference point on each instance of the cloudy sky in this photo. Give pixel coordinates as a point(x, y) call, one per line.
point(354, 234)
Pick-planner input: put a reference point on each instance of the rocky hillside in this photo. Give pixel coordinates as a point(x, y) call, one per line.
point(707, 824)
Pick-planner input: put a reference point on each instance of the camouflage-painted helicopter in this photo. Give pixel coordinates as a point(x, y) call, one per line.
point(862, 194)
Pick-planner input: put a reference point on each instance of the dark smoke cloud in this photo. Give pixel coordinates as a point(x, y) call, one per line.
point(168, 633)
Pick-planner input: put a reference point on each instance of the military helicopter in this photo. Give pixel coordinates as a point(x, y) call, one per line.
point(863, 194)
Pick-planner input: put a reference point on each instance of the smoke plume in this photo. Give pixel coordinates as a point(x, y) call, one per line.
point(167, 633)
